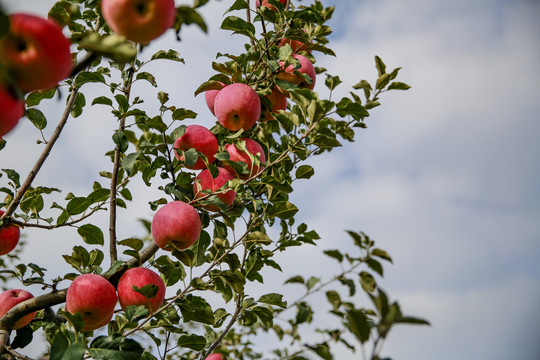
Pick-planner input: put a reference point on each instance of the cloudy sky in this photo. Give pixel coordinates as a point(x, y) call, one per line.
point(446, 177)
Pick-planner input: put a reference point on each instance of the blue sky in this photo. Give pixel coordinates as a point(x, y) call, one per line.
point(446, 177)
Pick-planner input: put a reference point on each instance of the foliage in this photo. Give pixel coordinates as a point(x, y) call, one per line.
point(234, 248)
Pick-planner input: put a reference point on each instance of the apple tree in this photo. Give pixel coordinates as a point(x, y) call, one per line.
point(184, 286)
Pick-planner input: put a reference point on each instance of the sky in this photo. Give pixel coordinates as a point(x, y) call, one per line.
point(446, 178)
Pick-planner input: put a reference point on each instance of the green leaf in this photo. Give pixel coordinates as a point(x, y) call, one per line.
point(194, 342)
point(334, 254)
point(396, 85)
point(382, 81)
point(181, 114)
point(273, 299)
point(37, 118)
point(187, 15)
point(367, 281)
point(282, 210)
point(304, 172)
point(61, 350)
point(113, 46)
point(87, 76)
point(148, 77)
point(238, 5)
point(195, 308)
point(78, 205)
point(102, 100)
point(35, 97)
point(91, 234)
point(136, 312)
point(115, 347)
point(312, 282)
point(128, 163)
point(167, 55)
point(381, 253)
point(381, 68)
point(238, 26)
point(323, 350)
point(24, 336)
point(334, 299)
point(358, 325)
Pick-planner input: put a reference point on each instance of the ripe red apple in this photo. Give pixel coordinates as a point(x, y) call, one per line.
point(36, 52)
point(9, 237)
point(204, 181)
point(94, 297)
point(306, 67)
point(9, 299)
point(139, 277)
point(201, 139)
point(210, 97)
point(12, 110)
point(271, 7)
point(254, 148)
point(215, 356)
point(237, 106)
point(279, 102)
point(140, 21)
point(176, 223)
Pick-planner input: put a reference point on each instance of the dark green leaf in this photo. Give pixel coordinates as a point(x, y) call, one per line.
point(37, 118)
point(113, 46)
point(194, 342)
point(91, 234)
point(238, 26)
point(304, 172)
point(273, 299)
point(334, 254)
point(358, 325)
point(323, 350)
point(115, 347)
point(282, 210)
point(398, 86)
point(381, 68)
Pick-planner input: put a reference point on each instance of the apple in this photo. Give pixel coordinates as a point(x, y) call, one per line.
point(254, 148)
point(176, 223)
point(210, 97)
point(139, 277)
point(268, 5)
point(36, 52)
point(279, 102)
point(306, 67)
point(215, 356)
point(237, 106)
point(201, 139)
point(94, 297)
point(204, 181)
point(12, 110)
point(9, 237)
point(9, 299)
point(140, 21)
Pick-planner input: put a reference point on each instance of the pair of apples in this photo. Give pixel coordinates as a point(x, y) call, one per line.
point(94, 297)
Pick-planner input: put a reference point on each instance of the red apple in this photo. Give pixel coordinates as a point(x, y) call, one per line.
point(140, 21)
point(204, 181)
point(306, 67)
point(176, 223)
point(210, 97)
point(201, 139)
point(254, 148)
point(139, 277)
point(12, 110)
point(9, 299)
point(237, 106)
point(279, 102)
point(9, 237)
point(36, 52)
point(268, 5)
point(94, 297)
point(215, 356)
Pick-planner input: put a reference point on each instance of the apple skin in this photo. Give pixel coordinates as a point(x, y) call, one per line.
point(252, 147)
point(201, 139)
point(12, 111)
point(140, 21)
point(237, 106)
point(279, 102)
point(210, 97)
point(36, 52)
point(306, 67)
point(139, 277)
point(215, 356)
point(9, 237)
point(94, 297)
point(9, 299)
point(204, 181)
point(271, 7)
point(176, 223)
